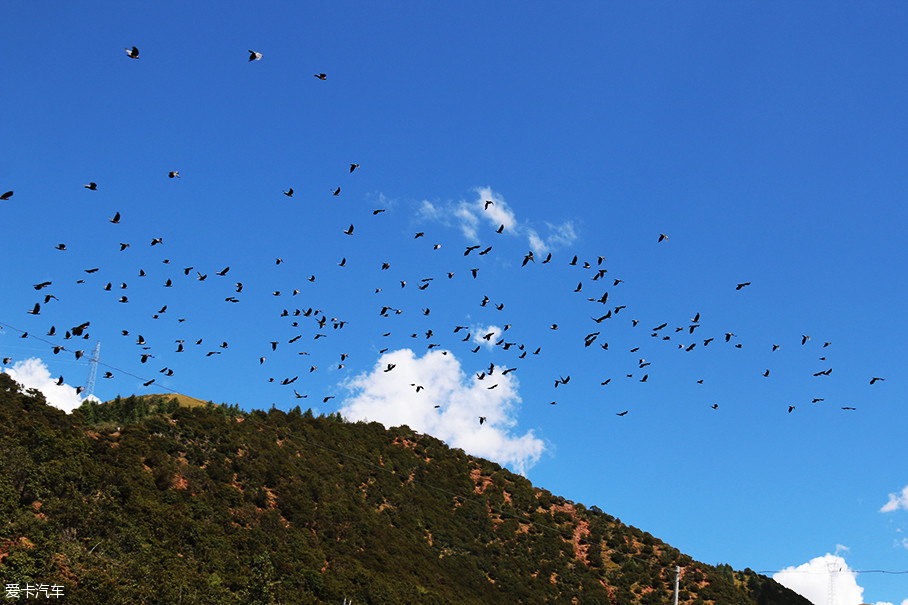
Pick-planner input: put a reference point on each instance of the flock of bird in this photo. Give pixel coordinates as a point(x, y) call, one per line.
point(594, 275)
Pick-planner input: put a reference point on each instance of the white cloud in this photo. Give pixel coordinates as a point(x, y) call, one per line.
point(479, 332)
point(811, 580)
point(33, 374)
point(562, 235)
point(468, 216)
point(896, 501)
point(391, 398)
point(468, 221)
point(498, 212)
point(428, 211)
point(537, 245)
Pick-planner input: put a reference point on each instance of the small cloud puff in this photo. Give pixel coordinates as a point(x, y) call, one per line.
point(896, 501)
point(447, 404)
point(33, 374)
point(479, 334)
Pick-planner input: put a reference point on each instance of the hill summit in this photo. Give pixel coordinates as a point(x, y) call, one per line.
point(144, 500)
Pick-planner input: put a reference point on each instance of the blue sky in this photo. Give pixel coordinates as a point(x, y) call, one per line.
point(767, 141)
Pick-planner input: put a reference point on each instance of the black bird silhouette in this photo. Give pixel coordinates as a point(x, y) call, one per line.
point(254, 56)
point(36, 310)
point(132, 52)
point(876, 378)
point(353, 167)
point(92, 186)
point(662, 237)
point(173, 174)
point(624, 413)
point(739, 286)
point(337, 191)
point(6, 196)
point(321, 76)
point(482, 419)
point(289, 192)
point(349, 231)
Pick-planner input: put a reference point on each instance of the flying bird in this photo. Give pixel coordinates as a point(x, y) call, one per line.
point(662, 237)
point(349, 231)
point(6, 196)
point(321, 76)
point(254, 56)
point(173, 174)
point(289, 192)
point(353, 167)
point(739, 286)
point(92, 186)
point(132, 52)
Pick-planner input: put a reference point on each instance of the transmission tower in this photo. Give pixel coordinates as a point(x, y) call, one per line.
point(93, 370)
point(830, 592)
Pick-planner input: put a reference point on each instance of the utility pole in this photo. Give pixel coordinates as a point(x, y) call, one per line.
point(677, 579)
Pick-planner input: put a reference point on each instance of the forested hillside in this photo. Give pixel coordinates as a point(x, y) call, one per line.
point(142, 500)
